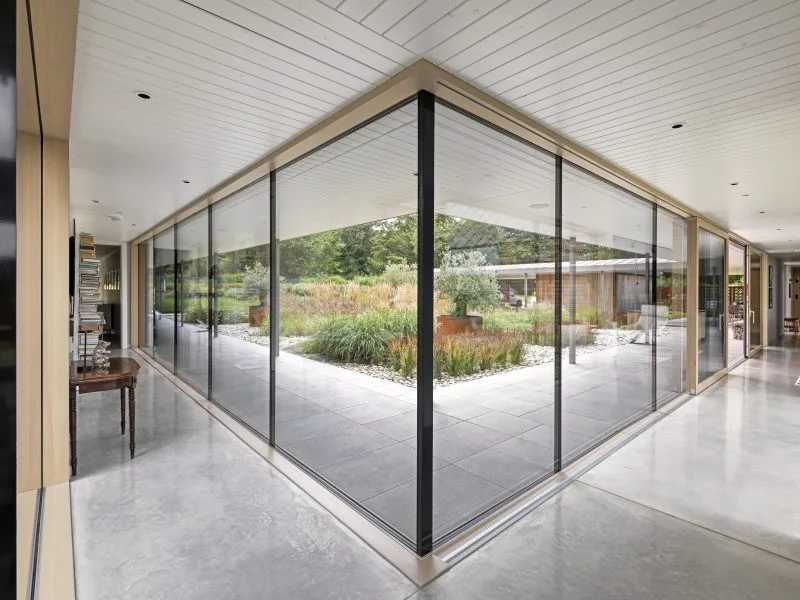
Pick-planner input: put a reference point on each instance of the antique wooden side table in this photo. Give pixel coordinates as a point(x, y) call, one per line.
point(120, 374)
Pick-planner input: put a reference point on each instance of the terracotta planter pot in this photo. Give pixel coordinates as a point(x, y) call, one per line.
point(256, 315)
point(449, 325)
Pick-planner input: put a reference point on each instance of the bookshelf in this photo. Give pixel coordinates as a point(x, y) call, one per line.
point(90, 319)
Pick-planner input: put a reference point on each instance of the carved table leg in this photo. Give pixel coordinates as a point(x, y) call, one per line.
point(122, 410)
point(132, 415)
point(73, 419)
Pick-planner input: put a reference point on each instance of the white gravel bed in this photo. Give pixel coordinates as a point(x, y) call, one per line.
point(604, 339)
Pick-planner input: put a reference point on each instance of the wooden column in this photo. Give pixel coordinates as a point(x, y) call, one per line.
point(55, 311)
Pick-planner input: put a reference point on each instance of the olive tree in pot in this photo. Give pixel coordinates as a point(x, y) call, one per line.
point(255, 283)
point(464, 279)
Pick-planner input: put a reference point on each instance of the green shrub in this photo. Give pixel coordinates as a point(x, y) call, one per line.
point(196, 310)
point(401, 273)
point(366, 280)
point(255, 283)
point(592, 316)
point(537, 323)
point(462, 279)
point(165, 304)
point(363, 338)
point(463, 354)
point(294, 323)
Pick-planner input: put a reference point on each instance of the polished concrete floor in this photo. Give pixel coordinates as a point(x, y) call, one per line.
point(701, 506)
point(493, 436)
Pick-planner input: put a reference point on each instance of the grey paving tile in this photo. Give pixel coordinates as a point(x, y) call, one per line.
point(503, 422)
point(543, 436)
point(373, 411)
point(330, 448)
point(305, 428)
point(462, 440)
point(512, 471)
point(457, 496)
point(288, 409)
point(460, 410)
point(404, 426)
point(371, 474)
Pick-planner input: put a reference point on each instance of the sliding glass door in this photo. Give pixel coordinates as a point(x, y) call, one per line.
point(755, 302)
point(737, 304)
point(711, 340)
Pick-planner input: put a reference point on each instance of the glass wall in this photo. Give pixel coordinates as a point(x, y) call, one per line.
point(339, 266)
point(345, 376)
point(737, 308)
point(711, 306)
point(671, 320)
point(494, 309)
point(146, 296)
point(240, 305)
point(755, 300)
point(191, 238)
point(609, 313)
point(164, 301)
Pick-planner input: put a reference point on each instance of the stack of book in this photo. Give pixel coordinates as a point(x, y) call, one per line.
point(90, 320)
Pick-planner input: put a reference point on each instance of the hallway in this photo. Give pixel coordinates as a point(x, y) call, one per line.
point(702, 505)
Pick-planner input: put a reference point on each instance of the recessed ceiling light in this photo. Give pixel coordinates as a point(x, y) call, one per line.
point(143, 95)
point(115, 217)
point(186, 181)
point(745, 195)
point(96, 201)
point(734, 183)
point(539, 205)
point(762, 212)
point(133, 224)
point(678, 125)
point(777, 229)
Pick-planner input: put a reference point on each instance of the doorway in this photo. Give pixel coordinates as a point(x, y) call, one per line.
point(737, 304)
point(754, 308)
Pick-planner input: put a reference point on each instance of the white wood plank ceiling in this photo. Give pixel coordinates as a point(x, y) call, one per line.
point(232, 79)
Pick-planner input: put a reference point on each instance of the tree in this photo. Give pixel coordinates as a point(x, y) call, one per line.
point(256, 282)
point(463, 280)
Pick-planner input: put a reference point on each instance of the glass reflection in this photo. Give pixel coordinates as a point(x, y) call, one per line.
point(711, 312)
point(737, 309)
point(164, 298)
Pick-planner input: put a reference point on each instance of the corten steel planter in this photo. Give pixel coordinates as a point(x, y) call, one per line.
point(256, 315)
point(450, 325)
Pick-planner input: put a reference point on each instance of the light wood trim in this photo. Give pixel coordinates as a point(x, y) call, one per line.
point(27, 106)
point(55, 28)
point(26, 523)
point(692, 303)
point(29, 313)
point(711, 380)
point(56, 577)
point(765, 300)
point(133, 302)
point(55, 312)
point(715, 229)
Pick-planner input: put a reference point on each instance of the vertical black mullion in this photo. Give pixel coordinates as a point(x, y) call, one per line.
point(425, 209)
point(558, 317)
point(274, 292)
point(212, 270)
point(653, 303)
point(174, 298)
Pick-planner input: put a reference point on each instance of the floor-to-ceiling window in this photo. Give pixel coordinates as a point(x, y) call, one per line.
point(192, 300)
point(755, 300)
point(494, 305)
point(164, 301)
point(609, 313)
point(711, 331)
point(671, 319)
point(346, 371)
point(515, 252)
point(240, 304)
point(737, 306)
point(146, 296)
